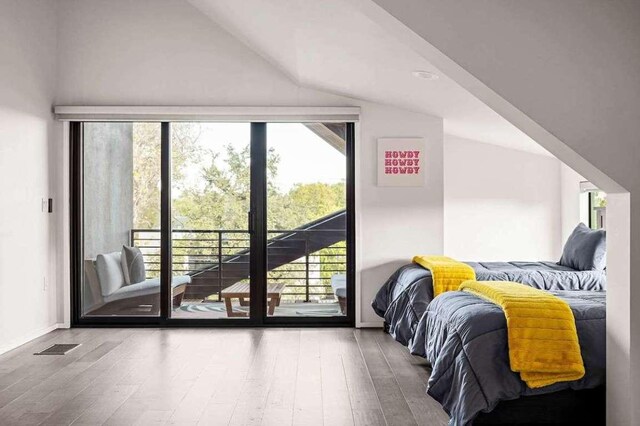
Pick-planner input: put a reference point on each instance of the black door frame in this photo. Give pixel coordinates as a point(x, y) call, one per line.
point(258, 236)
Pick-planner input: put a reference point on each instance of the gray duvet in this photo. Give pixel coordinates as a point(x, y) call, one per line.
point(465, 339)
point(404, 298)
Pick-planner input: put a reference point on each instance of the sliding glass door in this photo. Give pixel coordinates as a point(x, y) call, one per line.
point(210, 205)
point(306, 219)
point(120, 165)
point(199, 223)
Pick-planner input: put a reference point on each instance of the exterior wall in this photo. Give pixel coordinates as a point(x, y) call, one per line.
point(500, 204)
point(108, 183)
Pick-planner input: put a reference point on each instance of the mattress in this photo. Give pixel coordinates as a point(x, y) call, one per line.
point(404, 297)
point(465, 339)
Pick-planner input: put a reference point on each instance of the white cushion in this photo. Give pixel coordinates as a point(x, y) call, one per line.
point(339, 285)
point(109, 271)
point(150, 286)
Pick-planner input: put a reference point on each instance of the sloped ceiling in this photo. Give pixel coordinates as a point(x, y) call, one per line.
point(332, 46)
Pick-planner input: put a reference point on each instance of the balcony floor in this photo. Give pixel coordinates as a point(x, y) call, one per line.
point(214, 310)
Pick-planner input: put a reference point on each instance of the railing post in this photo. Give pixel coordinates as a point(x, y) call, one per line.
point(219, 266)
point(306, 261)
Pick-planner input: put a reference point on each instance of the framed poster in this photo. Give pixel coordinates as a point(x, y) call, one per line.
point(401, 162)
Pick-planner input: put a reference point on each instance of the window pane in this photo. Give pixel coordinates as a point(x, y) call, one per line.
point(211, 194)
point(121, 196)
point(598, 209)
point(306, 218)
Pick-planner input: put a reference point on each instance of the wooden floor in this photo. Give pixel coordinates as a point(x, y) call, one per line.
point(217, 377)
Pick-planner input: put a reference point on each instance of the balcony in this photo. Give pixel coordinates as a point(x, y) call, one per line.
point(303, 259)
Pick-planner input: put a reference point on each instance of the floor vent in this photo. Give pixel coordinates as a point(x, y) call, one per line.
point(58, 349)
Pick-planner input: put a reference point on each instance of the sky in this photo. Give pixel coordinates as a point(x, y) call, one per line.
point(304, 156)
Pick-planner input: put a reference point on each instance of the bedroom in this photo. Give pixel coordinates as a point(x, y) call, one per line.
point(207, 54)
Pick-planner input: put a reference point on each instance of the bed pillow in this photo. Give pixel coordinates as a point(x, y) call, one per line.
point(585, 249)
point(133, 267)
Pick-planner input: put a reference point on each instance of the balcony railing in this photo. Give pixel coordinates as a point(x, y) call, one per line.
point(304, 260)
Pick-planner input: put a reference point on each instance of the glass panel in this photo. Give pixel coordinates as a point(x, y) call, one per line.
point(597, 218)
point(306, 219)
point(211, 194)
point(121, 220)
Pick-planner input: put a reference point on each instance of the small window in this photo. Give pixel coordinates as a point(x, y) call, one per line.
point(593, 204)
point(597, 209)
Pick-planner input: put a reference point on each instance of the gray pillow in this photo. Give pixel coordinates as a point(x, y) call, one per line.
point(133, 265)
point(109, 273)
point(585, 249)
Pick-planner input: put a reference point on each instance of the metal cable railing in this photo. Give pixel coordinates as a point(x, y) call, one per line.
point(217, 259)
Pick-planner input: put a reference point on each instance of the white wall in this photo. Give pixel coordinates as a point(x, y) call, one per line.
point(27, 134)
point(573, 209)
point(164, 52)
point(396, 223)
point(118, 53)
point(500, 203)
point(566, 73)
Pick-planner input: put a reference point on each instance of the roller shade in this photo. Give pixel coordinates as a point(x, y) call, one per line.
point(222, 114)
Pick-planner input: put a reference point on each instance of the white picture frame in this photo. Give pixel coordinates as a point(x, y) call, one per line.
point(401, 161)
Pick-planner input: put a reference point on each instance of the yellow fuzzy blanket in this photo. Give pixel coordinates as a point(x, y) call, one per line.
point(447, 273)
point(543, 341)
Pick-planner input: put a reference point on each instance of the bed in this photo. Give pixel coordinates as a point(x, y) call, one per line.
point(404, 297)
point(464, 337)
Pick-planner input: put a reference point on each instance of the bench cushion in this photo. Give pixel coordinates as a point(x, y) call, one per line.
point(145, 288)
point(339, 285)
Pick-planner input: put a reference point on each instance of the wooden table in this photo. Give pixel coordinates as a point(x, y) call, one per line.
point(242, 292)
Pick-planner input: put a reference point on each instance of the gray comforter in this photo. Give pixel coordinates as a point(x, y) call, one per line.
point(465, 339)
point(405, 296)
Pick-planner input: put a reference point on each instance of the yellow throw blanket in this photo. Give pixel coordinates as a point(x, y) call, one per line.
point(447, 273)
point(543, 341)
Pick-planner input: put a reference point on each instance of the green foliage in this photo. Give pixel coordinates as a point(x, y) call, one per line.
point(304, 203)
point(146, 173)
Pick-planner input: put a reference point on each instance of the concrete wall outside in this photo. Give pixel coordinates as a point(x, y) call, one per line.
point(108, 187)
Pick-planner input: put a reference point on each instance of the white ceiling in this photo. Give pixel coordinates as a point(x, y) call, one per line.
point(331, 45)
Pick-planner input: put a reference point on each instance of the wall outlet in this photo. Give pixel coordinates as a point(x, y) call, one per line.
point(44, 284)
point(44, 206)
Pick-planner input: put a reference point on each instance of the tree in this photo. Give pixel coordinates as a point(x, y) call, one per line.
point(224, 199)
point(146, 172)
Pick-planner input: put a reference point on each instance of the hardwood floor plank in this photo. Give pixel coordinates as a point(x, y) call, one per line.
point(336, 405)
point(100, 411)
point(280, 401)
point(307, 409)
point(364, 401)
point(217, 377)
point(394, 406)
point(412, 374)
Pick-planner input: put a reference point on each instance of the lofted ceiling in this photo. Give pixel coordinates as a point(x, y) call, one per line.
point(331, 45)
